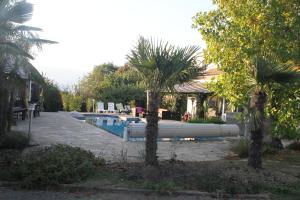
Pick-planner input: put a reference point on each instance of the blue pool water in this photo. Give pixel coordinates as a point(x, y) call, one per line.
point(112, 124)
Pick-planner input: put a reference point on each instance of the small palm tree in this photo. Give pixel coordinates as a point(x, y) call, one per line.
point(161, 66)
point(264, 75)
point(16, 39)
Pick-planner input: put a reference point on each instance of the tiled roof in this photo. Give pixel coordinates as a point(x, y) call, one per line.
point(191, 87)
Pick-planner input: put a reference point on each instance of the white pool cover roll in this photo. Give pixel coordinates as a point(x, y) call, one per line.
point(184, 130)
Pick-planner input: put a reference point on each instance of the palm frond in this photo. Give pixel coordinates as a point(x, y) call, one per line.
point(163, 65)
point(11, 48)
point(15, 11)
point(266, 72)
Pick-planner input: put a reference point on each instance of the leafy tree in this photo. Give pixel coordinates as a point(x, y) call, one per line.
point(161, 66)
point(89, 85)
point(250, 36)
point(284, 108)
point(122, 86)
point(110, 83)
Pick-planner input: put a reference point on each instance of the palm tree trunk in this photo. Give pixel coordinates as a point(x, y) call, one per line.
point(152, 130)
point(3, 104)
point(258, 102)
point(10, 109)
point(200, 107)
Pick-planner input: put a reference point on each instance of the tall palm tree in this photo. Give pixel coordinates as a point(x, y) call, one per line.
point(16, 39)
point(264, 74)
point(161, 66)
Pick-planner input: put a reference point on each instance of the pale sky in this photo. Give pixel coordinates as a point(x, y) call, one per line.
point(93, 32)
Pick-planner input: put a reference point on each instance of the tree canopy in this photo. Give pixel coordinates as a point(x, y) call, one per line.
point(239, 31)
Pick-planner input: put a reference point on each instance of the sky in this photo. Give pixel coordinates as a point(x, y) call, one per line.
point(93, 32)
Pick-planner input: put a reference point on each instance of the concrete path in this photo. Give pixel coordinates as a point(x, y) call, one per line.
point(61, 128)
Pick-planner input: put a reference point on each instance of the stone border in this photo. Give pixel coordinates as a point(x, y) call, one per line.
point(76, 188)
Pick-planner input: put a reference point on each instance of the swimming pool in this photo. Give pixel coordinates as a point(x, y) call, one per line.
point(111, 123)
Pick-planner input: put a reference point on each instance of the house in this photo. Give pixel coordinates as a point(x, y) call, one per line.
point(197, 95)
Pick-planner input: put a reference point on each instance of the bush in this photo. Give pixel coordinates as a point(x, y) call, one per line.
point(52, 97)
point(59, 164)
point(241, 148)
point(268, 149)
point(294, 146)
point(75, 102)
point(13, 140)
point(210, 120)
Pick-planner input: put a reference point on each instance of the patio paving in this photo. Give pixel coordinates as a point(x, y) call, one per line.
point(61, 128)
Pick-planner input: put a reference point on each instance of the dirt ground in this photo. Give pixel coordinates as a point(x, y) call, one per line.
point(9, 194)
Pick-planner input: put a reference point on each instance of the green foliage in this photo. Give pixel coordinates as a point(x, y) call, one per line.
point(161, 186)
point(75, 102)
point(284, 107)
point(52, 97)
point(59, 164)
point(13, 140)
point(238, 32)
point(209, 120)
point(66, 99)
point(109, 83)
point(241, 147)
point(162, 65)
point(89, 85)
point(169, 102)
point(294, 146)
point(89, 105)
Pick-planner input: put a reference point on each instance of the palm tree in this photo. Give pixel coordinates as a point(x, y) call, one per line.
point(264, 74)
point(161, 66)
point(16, 39)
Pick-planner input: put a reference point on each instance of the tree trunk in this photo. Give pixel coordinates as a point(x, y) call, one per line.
point(152, 130)
point(200, 107)
point(3, 105)
point(258, 103)
point(10, 110)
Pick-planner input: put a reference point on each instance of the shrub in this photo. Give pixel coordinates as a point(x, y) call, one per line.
point(294, 146)
point(13, 140)
point(52, 97)
point(210, 120)
point(241, 148)
point(268, 149)
point(58, 164)
point(75, 102)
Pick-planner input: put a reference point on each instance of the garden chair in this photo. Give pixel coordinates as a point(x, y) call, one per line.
point(100, 107)
point(127, 109)
point(111, 107)
point(120, 108)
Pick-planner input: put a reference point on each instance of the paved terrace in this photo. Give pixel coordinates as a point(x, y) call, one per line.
point(61, 128)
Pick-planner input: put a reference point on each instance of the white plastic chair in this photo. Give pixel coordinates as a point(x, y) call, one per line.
point(111, 107)
point(120, 107)
point(100, 107)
